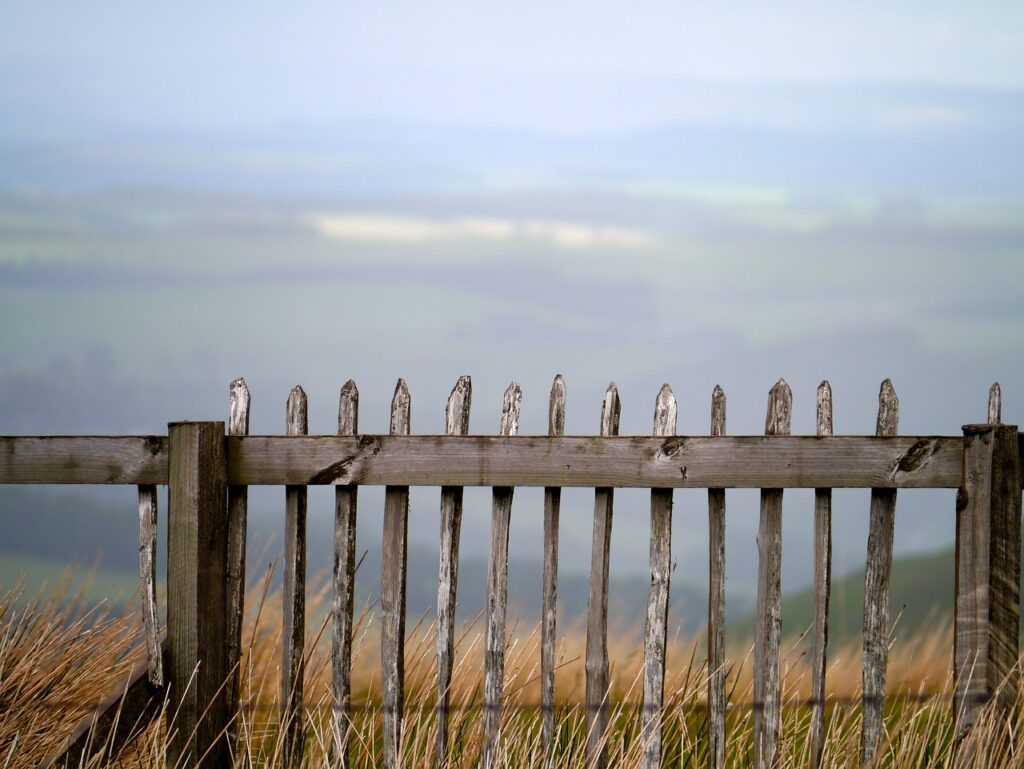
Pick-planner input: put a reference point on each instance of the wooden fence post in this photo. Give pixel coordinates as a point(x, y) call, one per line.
point(987, 586)
point(197, 608)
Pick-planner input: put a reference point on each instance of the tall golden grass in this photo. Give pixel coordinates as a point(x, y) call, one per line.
point(58, 658)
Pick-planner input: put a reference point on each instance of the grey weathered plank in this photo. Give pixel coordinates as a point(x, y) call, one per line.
point(987, 607)
point(197, 611)
point(716, 602)
point(549, 611)
point(995, 404)
point(147, 582)
point(876, 590)
point(135, 460)
point(822, 588)
point(656, 628)
point(596, 663)
point(637, 462)
point(294, 597)
point(392, 594)
point(456, 423)
point(238, 513)
point(768, 634)
point(345, 498)
point(497, 594)
point(120, 717)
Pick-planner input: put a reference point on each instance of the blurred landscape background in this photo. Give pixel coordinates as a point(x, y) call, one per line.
point(659, 193)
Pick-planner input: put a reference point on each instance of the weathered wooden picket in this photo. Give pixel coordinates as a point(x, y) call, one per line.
point(208, 472)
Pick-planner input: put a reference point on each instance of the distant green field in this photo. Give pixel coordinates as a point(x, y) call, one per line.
point(38, 574)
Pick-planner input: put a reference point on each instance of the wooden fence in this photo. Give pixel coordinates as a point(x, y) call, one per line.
point(208, 469)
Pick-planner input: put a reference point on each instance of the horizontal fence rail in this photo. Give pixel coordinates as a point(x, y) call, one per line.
point(727, 462)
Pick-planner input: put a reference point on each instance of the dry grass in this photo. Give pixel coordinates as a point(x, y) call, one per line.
point(56, 662)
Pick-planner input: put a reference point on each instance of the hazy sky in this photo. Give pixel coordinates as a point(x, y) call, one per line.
point(642, 193)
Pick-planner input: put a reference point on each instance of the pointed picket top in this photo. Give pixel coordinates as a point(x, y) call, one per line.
point(610, 409)
point(510, 409)
point(348, 409)
point(456, 413)
point(824, 408)
point(995, 404)
point(888, 410)
point(556, 407)
point(400, 409)
point(718, 411)
point(238, 419)
point(780, 409)
point(665, 412)
point(297, 413)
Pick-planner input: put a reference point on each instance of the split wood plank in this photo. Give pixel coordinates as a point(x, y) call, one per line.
point(596, 663)
point(238, 514)
point(497, 594)
point(656, 629)
point(876, 591)
point(549, 611)
point(147, 582)
point(344, 585)
point(392, 595)
point(716, 602)
point(197, 610)
point(773, 462)
point(456, 423)
point(822, 588)
point(987, 586)
point(768, 638)
point(294, 597)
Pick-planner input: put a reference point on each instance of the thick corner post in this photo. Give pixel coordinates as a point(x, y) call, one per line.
point(987, 592)
point(197, 605)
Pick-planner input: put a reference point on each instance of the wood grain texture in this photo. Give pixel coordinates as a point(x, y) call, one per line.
point(147, 583)
point(197, 611)
point(822, 588)
point(238, 514)
point(804, 461)
point(120, 717)
point(995, 404)
point(549, 610)
point(497, 594)
point(716, 602)
point(768, 633)
point(656, 626)
point(345, 498)
point(987, 585)
point(293, 594)
point(135, 460)
point(456, 423)
point(596, 663)
point(876, 590)
point(392, 596)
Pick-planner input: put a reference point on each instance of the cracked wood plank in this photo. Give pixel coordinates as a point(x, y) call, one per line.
point(294, 597)
point(876, 590)
point(822, 588)
point(804, 461)
point(344, 585)
point(768, 634)
point(596, 663)
point(497, 594)
point(456, 423)
point(147, 583)
point(549, 611)
point(238, 511)
point(392, 595)
point(716, 602)
point(656, 627)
